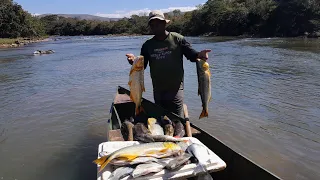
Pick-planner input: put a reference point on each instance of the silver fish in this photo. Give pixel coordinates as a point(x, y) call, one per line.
point(179, 129)
point(202, 154)
point(204, 85)
point(178, 161)
point(144, 169)
point(120, 173)
point(141, 133)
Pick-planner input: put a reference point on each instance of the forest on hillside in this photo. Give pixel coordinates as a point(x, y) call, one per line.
point(259, 18)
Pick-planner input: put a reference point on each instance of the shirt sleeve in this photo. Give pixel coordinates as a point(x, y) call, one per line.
point(187, 50)
point(145, 54)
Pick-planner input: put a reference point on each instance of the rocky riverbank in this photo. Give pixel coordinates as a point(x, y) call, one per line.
point(13, 43)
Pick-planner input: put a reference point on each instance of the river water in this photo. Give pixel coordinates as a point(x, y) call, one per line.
point(54, 108)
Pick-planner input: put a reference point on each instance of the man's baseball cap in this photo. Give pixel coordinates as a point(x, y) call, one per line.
point(156, 14)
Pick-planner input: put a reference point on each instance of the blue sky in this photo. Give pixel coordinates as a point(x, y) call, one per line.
point(107, 8)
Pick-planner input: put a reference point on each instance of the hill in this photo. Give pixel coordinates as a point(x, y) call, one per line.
point(83, 16)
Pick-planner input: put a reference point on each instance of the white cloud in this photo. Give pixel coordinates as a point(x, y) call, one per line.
point(36, 14)
point(146, 11)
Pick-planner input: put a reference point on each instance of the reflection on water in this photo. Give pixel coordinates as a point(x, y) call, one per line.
point(54, 108)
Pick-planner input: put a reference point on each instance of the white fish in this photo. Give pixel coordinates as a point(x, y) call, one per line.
point(144, 169)
point(120, 173)
point(154, 127)
point(202, 154)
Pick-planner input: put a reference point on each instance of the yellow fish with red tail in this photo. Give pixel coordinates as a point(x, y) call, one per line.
point(136, 82)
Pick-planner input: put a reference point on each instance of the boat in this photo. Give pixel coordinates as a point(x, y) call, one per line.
point(237, 165)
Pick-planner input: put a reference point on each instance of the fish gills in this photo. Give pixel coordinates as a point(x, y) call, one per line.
point(204, 86)
point(136, 82)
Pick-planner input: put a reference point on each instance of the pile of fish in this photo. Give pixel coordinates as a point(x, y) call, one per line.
point(156, 130)
point(142, 159)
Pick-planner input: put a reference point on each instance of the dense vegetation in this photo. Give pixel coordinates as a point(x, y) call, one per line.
point(15, 22)
point(215, 17)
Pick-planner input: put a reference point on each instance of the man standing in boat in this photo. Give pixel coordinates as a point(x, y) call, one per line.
point(164, 53)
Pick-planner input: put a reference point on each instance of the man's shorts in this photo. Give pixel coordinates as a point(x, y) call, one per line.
point(170, 100)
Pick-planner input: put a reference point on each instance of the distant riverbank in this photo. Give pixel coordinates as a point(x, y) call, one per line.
point(18, 42)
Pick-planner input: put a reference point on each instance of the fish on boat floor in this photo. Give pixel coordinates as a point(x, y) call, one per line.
point(115, 135)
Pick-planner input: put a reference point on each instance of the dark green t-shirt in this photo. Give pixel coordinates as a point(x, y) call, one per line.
point(165, 58)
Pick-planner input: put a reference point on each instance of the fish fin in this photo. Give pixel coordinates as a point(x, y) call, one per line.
point(139, 110)
point(209, 73)
point(199, 169)
point(131, 96)
point(143, 88)
point(104, 164)
point(150, 153)
point(122, 158)
point(210, 98)
point(164, 150)
point(128, 157)
point(131, 71)
point(100, 160)
point(203, 114)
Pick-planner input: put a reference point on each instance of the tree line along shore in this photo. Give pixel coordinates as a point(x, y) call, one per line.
point(249, 18)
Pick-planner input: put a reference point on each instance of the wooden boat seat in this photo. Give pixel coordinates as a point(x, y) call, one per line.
point(121, 98)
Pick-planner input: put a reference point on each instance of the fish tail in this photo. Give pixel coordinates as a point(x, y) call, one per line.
point(139, 110)
point(131, 96)
point(204, 113)
point(104, 164)
point(100, 161)
point(199, 169)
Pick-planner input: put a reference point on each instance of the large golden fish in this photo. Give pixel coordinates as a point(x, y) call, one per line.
point(136, 82)
point(204, 85)
point(129, 153)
